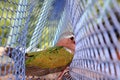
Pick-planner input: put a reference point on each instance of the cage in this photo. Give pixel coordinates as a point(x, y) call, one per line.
point(35, 25)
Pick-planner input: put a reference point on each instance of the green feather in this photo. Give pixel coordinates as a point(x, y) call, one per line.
point(50, 58)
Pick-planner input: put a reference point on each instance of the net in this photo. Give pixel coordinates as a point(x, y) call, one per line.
point(96, 26)
point(34, 25)
point(25, 26)
point(14, 18)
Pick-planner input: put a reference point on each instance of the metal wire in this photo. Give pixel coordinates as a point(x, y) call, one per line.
point(96, 27)
point(14, 18)
point(24, 26)
point(94, 23)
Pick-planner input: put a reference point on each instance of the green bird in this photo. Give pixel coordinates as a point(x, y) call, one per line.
point(54, 59)
point(51, 60)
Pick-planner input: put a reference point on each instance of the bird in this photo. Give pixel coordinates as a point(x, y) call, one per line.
point(51, 60)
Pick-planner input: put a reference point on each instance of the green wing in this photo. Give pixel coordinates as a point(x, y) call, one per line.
point(50, 58)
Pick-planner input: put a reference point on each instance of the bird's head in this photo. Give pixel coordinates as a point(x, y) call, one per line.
point(68, 43)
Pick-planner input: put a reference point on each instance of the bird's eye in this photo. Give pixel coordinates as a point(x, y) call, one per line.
point(72, 38)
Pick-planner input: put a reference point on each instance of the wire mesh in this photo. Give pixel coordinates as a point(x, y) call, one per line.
point(14, 18)
point(25, 25)
point(96, 26)
point(45, 29)
point(29, 25)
